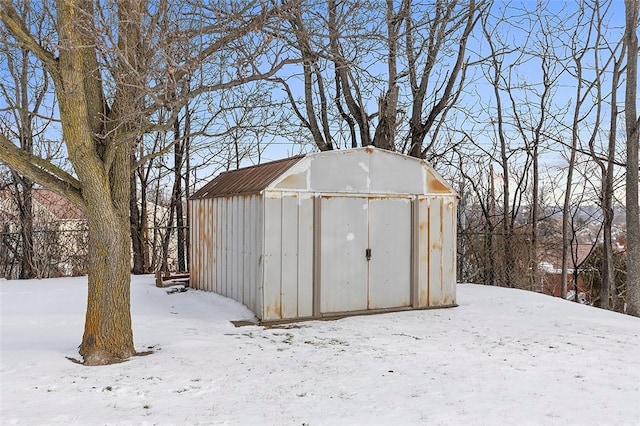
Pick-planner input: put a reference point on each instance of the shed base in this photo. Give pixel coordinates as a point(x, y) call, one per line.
point(333, 316)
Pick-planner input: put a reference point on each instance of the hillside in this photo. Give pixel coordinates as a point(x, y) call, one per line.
point(503, 356)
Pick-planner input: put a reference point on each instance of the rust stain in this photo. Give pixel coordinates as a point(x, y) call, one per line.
point(423, 225)
point(434, 185)
point(437, 302)
point(276, 310)
point(423, 299)
point(260, 260)
point(294, 181)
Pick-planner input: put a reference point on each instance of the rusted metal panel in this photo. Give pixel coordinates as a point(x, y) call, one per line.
point(225, 259)
point(293, 179)
point(435, 252)
point(390, 252)
point(272, 260)
point(289, 256)
point(344, 242)
point(305, 255)
point(247, 180)
point(423, 252)
point(201, 257)
point(435, 183)
point(448, 251)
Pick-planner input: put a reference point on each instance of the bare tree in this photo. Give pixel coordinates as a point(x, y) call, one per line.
point(382, 74)
point(582, 40)
point(429, 84)
point(24, 87)
point(605, 162)
point(113, 69)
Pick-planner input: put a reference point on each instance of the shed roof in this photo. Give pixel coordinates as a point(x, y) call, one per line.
point(247, 180)
point(366, 170)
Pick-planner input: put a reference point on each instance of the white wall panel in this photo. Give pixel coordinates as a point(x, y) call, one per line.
point(305, 255)
point(289, 260)
point(423, 252)
point(449, 251)
point(272, 308)
point(344, 239)
point(390, 244)
point(435, 252)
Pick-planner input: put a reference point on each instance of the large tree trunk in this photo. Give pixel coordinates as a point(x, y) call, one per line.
point(108, 336)
point(103, 166)
point(631, 118)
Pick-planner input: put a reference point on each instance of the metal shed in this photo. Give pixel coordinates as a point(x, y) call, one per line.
point(327, 234)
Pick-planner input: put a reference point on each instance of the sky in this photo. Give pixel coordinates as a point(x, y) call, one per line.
point(519, 16)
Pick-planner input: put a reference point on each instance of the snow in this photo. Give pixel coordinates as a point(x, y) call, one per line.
point(503, 356)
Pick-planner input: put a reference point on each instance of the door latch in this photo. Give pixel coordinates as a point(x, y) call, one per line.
point(367, 253)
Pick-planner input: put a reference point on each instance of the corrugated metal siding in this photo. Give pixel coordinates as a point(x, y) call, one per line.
point(422, 279)
point(435, 252)
point(271, 261)
point(289, 253)
point(436, 274)
point(288, 256)
point(263, 249)
point(226, 258)
point(305, 255)
point(203, 260)
point(449, 251)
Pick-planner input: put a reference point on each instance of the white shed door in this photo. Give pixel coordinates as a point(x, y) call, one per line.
point(352, 228)
point(390, 245)
point(344, 240)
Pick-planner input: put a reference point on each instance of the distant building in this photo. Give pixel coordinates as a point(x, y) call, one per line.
point(59, 236)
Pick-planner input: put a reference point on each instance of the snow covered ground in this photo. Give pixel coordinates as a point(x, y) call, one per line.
point(502, 357)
